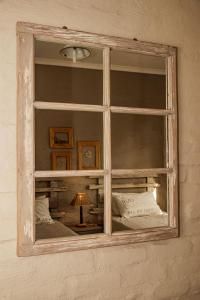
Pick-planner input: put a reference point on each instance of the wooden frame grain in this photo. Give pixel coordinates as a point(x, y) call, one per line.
point(25, 142)
point(56, 154)
point(80, 150)
point(66, 130)
point(27, 104)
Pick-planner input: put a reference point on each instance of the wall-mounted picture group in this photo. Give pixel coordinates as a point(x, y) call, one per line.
point(88, 152)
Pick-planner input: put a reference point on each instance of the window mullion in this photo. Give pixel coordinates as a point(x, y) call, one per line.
point(68, 106)
point(141, 111)
point(68, 173)
point(107, 141)
point(141, 172)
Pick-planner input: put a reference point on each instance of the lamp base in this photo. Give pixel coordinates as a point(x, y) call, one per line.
point(81, 225)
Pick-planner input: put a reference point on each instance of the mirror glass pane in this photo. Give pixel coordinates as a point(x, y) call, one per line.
point(138, 141)
point(137, 80)
point(68, 140)
point(139, 202)
point(66, 207)
point(68, 73)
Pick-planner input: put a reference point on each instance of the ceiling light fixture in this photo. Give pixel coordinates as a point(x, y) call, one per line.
point(75, 53)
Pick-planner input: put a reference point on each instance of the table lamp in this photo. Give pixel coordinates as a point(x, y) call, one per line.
point(80, 199)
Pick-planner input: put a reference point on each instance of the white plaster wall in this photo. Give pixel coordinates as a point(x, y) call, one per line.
point(167, 270)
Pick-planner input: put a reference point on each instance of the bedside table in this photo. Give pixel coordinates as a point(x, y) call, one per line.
point(97, 213)
point(87, 229)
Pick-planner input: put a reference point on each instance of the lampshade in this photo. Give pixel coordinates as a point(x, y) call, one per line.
point(80, 199)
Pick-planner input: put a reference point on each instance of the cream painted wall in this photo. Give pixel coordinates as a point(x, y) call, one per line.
point(167, 270)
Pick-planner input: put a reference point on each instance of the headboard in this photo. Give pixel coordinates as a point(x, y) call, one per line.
point(50, 187)
point(133, 184)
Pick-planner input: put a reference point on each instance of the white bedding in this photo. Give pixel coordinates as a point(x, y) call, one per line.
point(143, 221)
point(52, 230)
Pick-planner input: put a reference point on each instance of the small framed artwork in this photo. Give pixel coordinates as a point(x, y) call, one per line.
point(61, 160)
point(88, 155)
point(61, 137)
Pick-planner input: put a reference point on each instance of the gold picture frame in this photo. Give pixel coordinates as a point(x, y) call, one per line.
point(88, 155)
point(61, 160)
point(61, 137)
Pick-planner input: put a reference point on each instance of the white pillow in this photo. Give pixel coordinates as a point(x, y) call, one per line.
point(136, 204)
point(42, 214)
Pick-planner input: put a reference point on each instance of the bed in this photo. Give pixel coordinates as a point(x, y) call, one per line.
point(140, 222)
point(144, 213)
point(134, 209)
point(53, 230)
point(45, 226)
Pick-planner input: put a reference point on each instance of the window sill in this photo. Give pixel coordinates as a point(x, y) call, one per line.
point(47, 246)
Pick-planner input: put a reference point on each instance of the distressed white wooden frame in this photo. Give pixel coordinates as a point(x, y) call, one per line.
point(26, 35)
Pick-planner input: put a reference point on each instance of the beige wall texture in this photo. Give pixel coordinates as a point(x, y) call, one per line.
point(165, 270)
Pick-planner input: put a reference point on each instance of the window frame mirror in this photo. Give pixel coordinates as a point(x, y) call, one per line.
point(27, 244)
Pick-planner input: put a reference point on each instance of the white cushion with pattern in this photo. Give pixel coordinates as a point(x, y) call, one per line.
point(136, 204)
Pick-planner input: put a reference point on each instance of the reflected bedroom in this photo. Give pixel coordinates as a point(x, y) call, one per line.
point(71, 206)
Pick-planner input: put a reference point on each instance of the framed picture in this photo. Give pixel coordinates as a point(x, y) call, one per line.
point(61, 137)
point(88, 155)
point(61, 160)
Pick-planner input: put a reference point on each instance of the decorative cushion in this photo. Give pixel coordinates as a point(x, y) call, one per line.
point(42, 214)
point(136, 204)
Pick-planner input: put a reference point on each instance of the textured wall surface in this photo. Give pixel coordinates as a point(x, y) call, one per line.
point(166, 270)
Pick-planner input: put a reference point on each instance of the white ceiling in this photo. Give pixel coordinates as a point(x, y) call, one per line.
point(49, 51)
